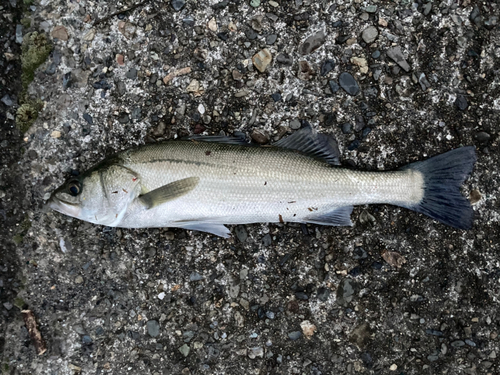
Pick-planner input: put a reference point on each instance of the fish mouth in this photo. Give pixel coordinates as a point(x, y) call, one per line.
point(64, 207)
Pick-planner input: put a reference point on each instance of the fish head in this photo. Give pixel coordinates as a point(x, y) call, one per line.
point(100, 196)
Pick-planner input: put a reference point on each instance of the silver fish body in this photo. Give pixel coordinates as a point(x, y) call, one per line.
point(250, 185)
point(203, 185)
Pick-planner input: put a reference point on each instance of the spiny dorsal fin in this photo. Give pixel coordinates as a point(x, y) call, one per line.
point(169, 192)
point(309, 142)
point(237, 139)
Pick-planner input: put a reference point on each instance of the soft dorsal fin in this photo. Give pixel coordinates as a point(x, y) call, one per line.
point(309, 142)
point(168, 192)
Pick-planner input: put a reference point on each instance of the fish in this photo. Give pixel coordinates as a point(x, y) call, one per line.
point(204, 183)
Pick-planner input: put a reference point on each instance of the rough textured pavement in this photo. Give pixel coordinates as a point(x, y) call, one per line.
point(393, 82)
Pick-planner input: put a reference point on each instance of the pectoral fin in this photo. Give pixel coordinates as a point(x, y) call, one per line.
point(169, 192)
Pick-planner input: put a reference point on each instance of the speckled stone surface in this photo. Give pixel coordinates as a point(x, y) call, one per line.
point(396, 293)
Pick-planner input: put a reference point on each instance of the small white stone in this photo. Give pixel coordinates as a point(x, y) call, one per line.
point(212, 24)
point(262, 59)
point(197, 345)
point(161, 295)
point(201, 108)
point(90, 35)
point(256, 352)
point(308, 328)
point(393, 367)
point(361, 62)
point(55, 134)
point(195, 88)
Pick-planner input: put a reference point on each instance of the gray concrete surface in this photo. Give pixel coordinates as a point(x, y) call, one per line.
point(396, 294)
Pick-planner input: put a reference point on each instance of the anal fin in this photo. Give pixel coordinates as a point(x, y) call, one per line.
point(340, 216)
point(217, 229)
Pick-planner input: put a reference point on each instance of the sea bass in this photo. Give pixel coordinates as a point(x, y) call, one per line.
point(203, 183)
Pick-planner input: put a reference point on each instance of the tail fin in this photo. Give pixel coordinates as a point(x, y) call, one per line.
point(443, 176)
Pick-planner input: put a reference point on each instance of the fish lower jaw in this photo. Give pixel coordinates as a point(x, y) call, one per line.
point(64, 208)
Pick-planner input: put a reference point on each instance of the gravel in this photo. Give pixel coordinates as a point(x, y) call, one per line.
point(345, 292)
point(88, 118)
point(7, 100)
point(461, 103)
point(241, 233)
point(295, 124)
point(349, 84)
point(334, 86)
point(312, 43)
point(153, 328)
point(184, 350)
point(295, 335)
point(177, 4)
point(396, 54)
point(132, 73)
point(271, 39)
point(262, 59)
point(346, 128)
point(327, 67)
point(369, 34)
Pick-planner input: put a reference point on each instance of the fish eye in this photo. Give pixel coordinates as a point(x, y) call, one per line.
point(74, 188)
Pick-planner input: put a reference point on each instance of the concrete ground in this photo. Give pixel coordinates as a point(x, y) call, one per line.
point(397, 293)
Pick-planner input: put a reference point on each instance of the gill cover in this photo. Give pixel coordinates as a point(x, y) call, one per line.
point(120, 186)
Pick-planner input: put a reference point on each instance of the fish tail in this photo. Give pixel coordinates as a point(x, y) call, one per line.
point(443, 176)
